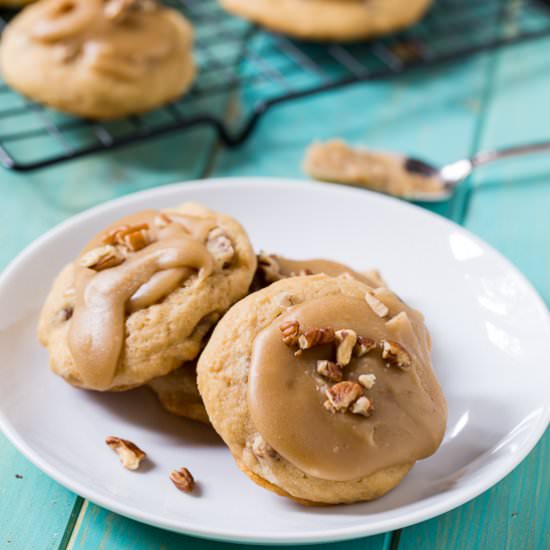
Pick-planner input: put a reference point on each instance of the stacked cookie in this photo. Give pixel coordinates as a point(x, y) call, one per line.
point(318, 378)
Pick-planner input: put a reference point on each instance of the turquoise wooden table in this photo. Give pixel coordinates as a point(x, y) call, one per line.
point(490, 100)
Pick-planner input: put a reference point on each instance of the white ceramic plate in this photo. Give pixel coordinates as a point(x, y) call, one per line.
point(491, 335)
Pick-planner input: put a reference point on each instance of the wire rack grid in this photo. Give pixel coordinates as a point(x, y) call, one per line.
point(262, 69)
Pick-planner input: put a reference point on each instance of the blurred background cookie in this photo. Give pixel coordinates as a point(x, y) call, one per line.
point(98, 59)
point(142, 296)
point(338, 20)
point(323, 388)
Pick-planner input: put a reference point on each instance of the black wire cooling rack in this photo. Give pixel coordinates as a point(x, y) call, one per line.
point(238, 60)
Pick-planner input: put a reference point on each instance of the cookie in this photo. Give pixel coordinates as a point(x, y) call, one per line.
point(179, 395)
point(141, 297)
point(98, 59)
point(178, 392)
point(322, 388)
point(333, 20)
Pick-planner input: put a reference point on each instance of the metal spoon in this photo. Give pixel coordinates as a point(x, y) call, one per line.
point(451, 175)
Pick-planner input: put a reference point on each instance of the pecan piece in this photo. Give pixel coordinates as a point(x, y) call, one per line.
point(315, 337)
point(330, 370)
point(363, 406)
point(376, 304)
point(396, 355)
point(183, 480)
point(220, 246)
point(102, 257)
point(290, 331)
point(262, 449)
point(129, 453)
point(342, 395)
point(367, 380)
point(346, 340)
point(363, 346)
point(269, 268)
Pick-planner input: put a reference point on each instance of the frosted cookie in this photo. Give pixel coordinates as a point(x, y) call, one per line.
point(179, 395)
point(143, 294)
point(323, 389)
point(99, 59)
point(338, 20)
point(178, 392)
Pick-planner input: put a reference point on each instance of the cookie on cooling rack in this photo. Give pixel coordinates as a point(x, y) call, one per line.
point(333, 20)
point(142, 296)
point(322, 387)
point(99, 59)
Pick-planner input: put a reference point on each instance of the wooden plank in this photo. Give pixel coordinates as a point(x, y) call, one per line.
point(513, 514)
point(103, 529)
point(34, 510)
point(510, 209)
point(434, 116)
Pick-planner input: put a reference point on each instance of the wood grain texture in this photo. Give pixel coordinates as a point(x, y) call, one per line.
point(34, 510)
point(103, 529)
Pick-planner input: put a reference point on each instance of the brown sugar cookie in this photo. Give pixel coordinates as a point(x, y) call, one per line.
point(322, 388)
point(142, 296)
point(98, 59)
point(335, 20)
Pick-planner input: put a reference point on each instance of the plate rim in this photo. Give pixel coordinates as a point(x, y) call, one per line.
point(410, 517)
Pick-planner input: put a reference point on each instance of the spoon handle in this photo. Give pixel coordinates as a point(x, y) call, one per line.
point(491, 156)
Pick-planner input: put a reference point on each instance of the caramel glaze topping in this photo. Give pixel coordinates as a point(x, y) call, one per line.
point(288, 397)
point(116, 37)
point(176, 249)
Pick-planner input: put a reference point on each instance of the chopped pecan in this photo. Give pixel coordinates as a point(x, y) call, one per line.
point(162, 220)
point(396, 355)
point(330, 370)
point(367, 380)
point(363, 406)
point(64, 314)
point(183, 480)
point(300, 273)
point(269, 268)
point(102, 257)
point(376, 304)
point(315, 337)
point(342, 395)
point(346, 340)
point(290, 331)
point(363, 346)
point(133, 237)
point(262, 449)
point(130, 454)
point(220, 246)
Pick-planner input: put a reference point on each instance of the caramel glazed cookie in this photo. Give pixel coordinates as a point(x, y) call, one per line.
point(338, 20)
point(143, 294)
point(178, 392)
point(322, 388)
point(99, 59)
